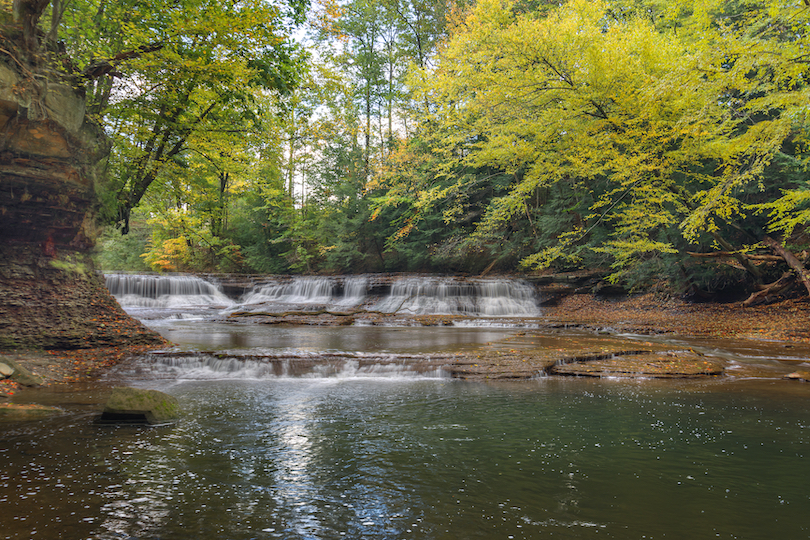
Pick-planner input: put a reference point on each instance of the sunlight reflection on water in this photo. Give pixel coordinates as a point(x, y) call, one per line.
point(420, 458)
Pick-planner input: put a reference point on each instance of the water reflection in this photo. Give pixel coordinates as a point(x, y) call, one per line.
point(422, 459)
point(210, 335)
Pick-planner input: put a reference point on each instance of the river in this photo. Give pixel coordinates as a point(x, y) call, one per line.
point(392, 453)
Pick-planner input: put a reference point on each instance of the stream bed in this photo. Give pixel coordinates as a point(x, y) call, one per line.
point(395, 456)
point(392, 453)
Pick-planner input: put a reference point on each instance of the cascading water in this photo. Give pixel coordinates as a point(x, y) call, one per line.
point(355, 289)
point(255, 365)
point(407, 296)
point(146, 291)
point(346, 291)
point(495, 297)
point(447, 296)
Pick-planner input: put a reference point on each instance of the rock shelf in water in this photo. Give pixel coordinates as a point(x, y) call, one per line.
point(596, 356)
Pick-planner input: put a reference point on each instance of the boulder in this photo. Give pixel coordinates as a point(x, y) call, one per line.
point(14, 371)
point(140, 406)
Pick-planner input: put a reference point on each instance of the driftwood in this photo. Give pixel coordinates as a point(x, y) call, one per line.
point(776, 288)
point(791, 260)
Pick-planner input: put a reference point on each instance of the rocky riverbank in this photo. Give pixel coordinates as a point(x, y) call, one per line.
point(63, 367)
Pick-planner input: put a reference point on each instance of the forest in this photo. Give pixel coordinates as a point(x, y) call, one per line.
point(664, 143)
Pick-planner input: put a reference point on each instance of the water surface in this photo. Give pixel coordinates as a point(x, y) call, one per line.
point(394, 454)
point(423, 458)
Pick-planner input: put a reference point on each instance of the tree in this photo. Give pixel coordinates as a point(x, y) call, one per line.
point(211, 59)
point(670, 132)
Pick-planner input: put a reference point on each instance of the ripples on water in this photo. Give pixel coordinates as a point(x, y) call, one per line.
point(392, 458)
point(385, 453)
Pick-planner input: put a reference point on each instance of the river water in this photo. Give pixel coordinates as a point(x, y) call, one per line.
point(395, 454)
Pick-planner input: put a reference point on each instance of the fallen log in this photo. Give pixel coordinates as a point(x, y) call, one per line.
point(731, 254)
point(776, 288)
point(794, 263)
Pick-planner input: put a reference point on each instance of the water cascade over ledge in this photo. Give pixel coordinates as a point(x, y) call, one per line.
point(396, 295)
point(153, 291)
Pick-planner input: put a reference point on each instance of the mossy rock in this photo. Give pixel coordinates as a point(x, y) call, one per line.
point(15, 411)
point(140, 406)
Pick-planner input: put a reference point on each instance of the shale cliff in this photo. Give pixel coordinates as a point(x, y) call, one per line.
point(50, 295)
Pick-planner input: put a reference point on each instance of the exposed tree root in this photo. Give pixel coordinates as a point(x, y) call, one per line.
point(792, 261)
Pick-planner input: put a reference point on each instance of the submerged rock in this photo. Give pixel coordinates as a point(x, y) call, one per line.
point(140, 406)
point(670, 364)
point(16, 411)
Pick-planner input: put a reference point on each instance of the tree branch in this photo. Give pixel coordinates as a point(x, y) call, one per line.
point(100, 68)
point(723, 254)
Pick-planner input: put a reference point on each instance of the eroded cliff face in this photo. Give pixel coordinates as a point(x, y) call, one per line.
point(51, 297)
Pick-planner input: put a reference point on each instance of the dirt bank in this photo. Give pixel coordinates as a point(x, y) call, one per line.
point(787, 321)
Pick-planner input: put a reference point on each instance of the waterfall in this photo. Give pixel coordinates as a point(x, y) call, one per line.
point(346, 291)
point(449, 296)
point(409, 295)
point(301, 290)
point(151, 291)
point(355, 289)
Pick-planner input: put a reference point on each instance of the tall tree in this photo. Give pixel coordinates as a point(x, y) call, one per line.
point(203, 57)
point(670, 131)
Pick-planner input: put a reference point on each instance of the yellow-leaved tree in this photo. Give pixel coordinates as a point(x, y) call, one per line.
point(671, 121)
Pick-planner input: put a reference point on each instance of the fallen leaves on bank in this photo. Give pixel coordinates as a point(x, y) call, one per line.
point(58, 367)
point(648, 314)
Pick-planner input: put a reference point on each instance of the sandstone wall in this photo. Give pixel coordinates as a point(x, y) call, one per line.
point(50, 295)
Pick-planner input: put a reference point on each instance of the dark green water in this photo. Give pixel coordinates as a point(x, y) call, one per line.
point(403, 457)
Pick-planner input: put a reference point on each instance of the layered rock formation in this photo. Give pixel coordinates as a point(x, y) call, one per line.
point(50, 295)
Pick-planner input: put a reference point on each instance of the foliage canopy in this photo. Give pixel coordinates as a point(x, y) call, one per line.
point(652, 139)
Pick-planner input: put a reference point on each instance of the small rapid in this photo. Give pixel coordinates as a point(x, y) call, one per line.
point(257, 365)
